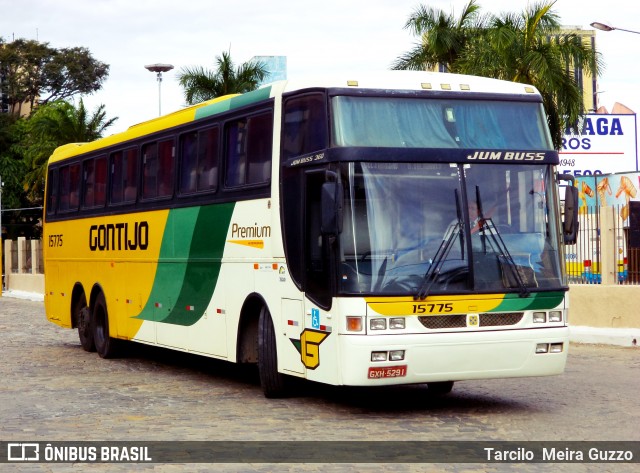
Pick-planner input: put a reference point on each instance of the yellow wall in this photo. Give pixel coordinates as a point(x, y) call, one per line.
point(604, 306)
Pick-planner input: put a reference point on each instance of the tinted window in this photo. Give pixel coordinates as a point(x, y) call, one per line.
point(69, 187)
point(249, 144)
point(305, 125)
point(199, 169)
point(124, 176)
point(95, 182)
point(157, 169)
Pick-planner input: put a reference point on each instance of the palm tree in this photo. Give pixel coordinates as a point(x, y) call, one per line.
point(442, 37)
point(202, 84)
point(53, 125)
point(529, 48)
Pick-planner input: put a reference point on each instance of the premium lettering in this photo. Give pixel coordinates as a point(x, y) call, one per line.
point(250, 232)
point(119, 236)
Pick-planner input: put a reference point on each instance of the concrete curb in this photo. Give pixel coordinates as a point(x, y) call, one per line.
point(29, 296)
point(626, 337)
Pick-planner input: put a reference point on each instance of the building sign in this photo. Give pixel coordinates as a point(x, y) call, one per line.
point(607, 144)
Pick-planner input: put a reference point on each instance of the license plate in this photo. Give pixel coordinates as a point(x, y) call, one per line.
point(388, 372)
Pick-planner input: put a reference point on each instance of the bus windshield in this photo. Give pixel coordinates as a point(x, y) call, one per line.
point(425, 228)
point(398, 122)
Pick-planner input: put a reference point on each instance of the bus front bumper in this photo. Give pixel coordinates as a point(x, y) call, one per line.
point(452, 356)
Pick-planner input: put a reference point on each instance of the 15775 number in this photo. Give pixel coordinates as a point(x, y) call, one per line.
point(431, 308)
point(55, 240)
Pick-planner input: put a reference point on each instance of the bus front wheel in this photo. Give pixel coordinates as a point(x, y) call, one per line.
point(272, 382)
point(105, 345)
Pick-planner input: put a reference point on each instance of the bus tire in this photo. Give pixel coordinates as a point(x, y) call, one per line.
point(271, 381)
point(82, 317)
point(440, 388)
point(105, 345)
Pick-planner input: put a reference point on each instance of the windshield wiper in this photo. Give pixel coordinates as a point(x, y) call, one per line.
point(503, 252)
point(454, 230)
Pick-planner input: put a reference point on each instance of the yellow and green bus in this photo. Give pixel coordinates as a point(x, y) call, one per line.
point(390, 229)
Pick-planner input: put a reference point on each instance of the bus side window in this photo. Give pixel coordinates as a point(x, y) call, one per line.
point(249, 146)
point(124, 176)
point(94, 172)
point(100, 183)
point(88, 173)
point(69, 187)
point(188, 162)
point(208, 159)
point(199, 161)
point(52, 191)
point(236, 153)
point(74, 186)
point(305, 125)
point(150, 170)
point(166, 154)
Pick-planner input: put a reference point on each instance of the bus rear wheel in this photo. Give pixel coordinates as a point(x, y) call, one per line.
point(82, 317)
point(105, 345)
point(271, 381)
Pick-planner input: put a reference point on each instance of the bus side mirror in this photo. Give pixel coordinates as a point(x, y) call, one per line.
point(331, 203)
point(570, 222)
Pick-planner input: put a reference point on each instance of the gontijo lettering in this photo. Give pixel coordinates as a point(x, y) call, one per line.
point(119, 236)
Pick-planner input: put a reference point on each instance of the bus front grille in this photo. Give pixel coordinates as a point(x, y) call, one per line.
point(436, 322)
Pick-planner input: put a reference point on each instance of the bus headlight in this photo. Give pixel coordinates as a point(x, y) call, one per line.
point(397, 323)
point(396, 355)
point(542, 348)
point(539, 317)
point(556, 348)
point(555, 316)
point(378, 324)
point(378, 356)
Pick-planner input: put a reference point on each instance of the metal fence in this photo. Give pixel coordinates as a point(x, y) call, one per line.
point(586, 259)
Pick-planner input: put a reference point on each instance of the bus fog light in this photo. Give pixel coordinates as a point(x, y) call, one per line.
point(556, 348)
point(378, 356)
point(539, 317)
point(555, 316)
point(354, 324)
point(542, 348)
point(397, 323)
point(378, 324)
point(396, 355)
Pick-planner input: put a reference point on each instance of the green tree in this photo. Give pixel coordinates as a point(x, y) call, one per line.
point(36, 73)
point(443, 37)
point(531, 48)
point(53, 125)
point(202, 84)
point(12, 165)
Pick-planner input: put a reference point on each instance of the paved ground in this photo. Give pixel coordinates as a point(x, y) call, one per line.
point(51, 390)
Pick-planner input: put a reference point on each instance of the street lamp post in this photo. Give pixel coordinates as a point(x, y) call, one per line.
point(159, 69)
point(604, 27)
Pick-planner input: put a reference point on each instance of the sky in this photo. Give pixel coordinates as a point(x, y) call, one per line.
point(316, 36)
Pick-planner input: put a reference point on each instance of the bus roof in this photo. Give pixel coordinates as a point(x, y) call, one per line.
point(385, 80)
point(413, 80)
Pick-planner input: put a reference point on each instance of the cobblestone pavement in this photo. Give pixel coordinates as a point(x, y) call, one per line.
point(52, 390)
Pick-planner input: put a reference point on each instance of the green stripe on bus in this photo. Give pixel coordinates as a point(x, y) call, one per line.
point(235, 102)
point(535, 301)
point(190, 261)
